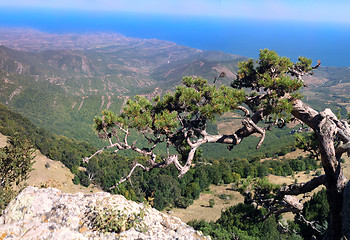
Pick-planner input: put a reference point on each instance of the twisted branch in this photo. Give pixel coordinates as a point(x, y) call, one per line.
point(285, 199)
point(300, 188)
point(250, 122)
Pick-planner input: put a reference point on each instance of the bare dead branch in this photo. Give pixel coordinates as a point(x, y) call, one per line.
point(285, 229)
point(257, 128)
point(342, 148)
point(285, 202)
point(245, 110)
point(197, 143)
point(129, 175)
point(317, 65)
point(277, 212)
point(86, 160)
point(298, 72)
point(310, 224)
point(166, 162)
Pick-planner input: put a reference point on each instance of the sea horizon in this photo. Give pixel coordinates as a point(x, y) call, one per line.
point(327, 42)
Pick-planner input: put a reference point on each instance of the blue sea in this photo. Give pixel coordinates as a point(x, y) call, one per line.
point(324, 41)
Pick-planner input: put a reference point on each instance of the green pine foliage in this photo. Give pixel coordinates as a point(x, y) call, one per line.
point(196, 103)
point(272, 75)
point(316, 210)
point(16, 160)
point(107, 169)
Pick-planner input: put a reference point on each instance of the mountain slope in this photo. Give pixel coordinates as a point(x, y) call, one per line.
point(62, 90)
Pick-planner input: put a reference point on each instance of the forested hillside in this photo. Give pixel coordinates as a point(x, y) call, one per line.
point(168, 189)
point(62, 90)
point(62, 87)
point(61, 82)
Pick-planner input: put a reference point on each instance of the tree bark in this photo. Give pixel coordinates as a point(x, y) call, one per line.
point(326, 129)
point(334, 179)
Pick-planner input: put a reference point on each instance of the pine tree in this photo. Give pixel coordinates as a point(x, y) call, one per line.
point(266, 91)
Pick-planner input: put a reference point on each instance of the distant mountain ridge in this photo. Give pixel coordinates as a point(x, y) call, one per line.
point(115, 63)
point(61, 81)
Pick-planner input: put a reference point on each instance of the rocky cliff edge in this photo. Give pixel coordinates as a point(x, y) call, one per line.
point(48, 213)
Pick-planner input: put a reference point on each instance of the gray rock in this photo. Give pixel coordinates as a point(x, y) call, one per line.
point(50, 214)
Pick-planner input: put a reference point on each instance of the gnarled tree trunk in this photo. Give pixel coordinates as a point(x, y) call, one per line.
point(327, 128)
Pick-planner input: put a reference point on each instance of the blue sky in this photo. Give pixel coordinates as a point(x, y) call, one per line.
point(289, 10)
